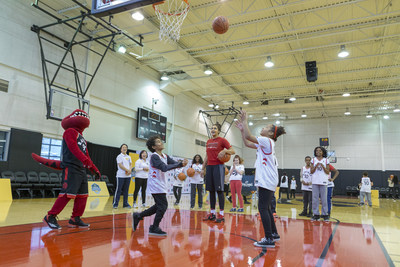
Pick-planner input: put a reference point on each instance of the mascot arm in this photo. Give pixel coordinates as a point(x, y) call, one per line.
point(71, 136)
point(93, 167)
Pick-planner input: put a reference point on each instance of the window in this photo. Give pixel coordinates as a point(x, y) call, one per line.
point(4, 141)
point(51, 148)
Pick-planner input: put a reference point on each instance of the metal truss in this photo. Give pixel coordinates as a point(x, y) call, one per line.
point(228, 116)
point(80, 38)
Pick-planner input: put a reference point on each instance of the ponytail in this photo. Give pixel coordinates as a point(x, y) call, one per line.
point(278, 131)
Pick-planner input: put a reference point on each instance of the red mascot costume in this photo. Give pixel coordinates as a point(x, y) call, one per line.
point(75, 158)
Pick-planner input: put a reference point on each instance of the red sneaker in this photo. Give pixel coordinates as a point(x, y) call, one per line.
point(209, 217)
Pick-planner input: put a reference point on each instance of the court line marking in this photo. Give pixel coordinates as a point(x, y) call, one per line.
point(327, 245)
point(387, 256)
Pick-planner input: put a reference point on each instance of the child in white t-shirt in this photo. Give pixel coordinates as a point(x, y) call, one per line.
point(235, 179)
point(266, 177)
point(160, 163)
point(365, 189)
point(293, 186)
point(177, 186)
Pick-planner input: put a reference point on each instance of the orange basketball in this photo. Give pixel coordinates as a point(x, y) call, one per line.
point(190, 172)
point(220, 24)
point(225, 158)
point(182, 176)
point(226, 171)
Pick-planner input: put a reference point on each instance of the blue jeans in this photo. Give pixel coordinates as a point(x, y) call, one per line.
point(329, 195)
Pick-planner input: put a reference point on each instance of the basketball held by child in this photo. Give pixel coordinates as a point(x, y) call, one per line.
point(182, 176)
point(190, 172)
point(226, 171)
point(225, 158)
point(220, 24)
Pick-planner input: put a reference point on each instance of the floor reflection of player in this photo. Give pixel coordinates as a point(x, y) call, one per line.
point(119, 241)
point(367, 222)
point(216, 243)
point(64, 250)
point(235, 240)
point(194, 246)
point(146, 253)
point(320, 235)
point(308, 244)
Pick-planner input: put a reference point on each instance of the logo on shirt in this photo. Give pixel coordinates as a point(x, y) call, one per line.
point(265, 161)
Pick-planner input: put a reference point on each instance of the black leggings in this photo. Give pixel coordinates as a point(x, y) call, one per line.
point(177, 193)
point(264, 207)
point(140, 183)
point(159, 208)
point(221, 200)
point(307, 201)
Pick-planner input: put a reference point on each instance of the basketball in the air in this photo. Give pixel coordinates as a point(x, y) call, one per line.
point(226, 171)
point(190, 172)
point(182, 176)
point(225, 158)
point(220, 24)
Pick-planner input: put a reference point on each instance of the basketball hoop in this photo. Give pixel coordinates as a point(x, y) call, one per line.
point(171, 14)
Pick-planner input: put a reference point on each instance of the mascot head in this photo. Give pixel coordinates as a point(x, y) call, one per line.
point(78, 120)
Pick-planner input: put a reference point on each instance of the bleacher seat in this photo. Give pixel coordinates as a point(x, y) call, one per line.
point(44, 178)
point(33, 178)
point(348, 190)
point(89, 177)
point(20, 178)
point(110, 186)
point(56, 180)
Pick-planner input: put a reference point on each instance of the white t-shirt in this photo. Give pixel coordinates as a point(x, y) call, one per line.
point(266, 164)
point(235, 175)
point(126, 162)
point(306, 177)
point(197, 179)
point(365, 185)
point(330, 183)
point(284, 184)
point(140, 173)
point(319, 177)
point(178, 182)
point(293, 185)
point(157, 183)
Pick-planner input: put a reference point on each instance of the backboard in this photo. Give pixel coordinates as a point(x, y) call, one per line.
point(101, 8)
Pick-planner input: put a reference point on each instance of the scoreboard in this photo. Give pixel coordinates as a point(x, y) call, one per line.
point(150, 123)
point(101, 8)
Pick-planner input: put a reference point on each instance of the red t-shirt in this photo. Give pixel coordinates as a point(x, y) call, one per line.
point(213, 147)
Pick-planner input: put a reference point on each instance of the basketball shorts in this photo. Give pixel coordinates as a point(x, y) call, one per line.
point(215, 175)
point(74, 182)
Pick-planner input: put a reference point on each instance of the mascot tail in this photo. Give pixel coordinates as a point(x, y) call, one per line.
point(54, 164)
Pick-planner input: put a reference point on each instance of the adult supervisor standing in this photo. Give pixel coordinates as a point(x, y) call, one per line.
point(216, 149)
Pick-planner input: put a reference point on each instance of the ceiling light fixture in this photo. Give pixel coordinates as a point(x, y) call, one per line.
point(216, 106)
point(164, 77)
point(208, 71)
point(346, 94)
point(137, 16)
point(122, 49)
point(276, 114)
point(347, 112)
point(278, 122)
point(269, 63)
point(250, 123)
point(246, 102)
point(369, 115)
point(304, 115)
point(386, 117)
point(211, 105)
point(396, 108)
point(343, 52)
point(292, 98)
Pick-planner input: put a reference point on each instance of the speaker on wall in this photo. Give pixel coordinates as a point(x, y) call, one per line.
point(311, 71)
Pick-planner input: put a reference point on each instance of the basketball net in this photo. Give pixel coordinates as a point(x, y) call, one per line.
point(171, 14)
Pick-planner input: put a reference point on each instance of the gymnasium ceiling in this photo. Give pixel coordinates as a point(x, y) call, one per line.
point(291, 32)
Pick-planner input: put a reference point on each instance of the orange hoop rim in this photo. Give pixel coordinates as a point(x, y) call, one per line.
point(166, 13)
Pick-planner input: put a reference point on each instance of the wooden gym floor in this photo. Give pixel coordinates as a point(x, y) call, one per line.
point(355, 236)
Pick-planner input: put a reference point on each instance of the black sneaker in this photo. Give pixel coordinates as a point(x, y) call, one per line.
point(156, 231)
point(135, 220)
point(220, 218)
point(309, 215)
point(304, 213)
point(265, 243)
point(77, 223)
point(315, 218)
point(51, 221)
point(276, 236)
point(209, 217)
point(325, 218)
point(127, 206)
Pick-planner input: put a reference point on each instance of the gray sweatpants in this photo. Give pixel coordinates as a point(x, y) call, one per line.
point(366, 195)
point(319, 192)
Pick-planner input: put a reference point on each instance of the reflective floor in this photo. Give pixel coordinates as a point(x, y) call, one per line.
point(355, 236)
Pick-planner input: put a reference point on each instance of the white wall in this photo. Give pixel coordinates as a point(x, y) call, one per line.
point(119, 88)
point(356, 140)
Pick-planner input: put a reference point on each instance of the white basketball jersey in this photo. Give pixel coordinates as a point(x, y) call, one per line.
point(365, 185)
point(306, 178)
point(157, 183)
point(266, 164)
point(319, 176)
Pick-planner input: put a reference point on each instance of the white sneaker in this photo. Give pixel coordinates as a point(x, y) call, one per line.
point(134, 205)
